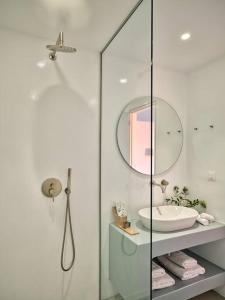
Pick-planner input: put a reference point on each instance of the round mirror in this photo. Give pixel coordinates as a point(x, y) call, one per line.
point(133, 135)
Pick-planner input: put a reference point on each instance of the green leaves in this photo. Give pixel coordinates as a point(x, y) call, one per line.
point(185, 190)
point(180, 198)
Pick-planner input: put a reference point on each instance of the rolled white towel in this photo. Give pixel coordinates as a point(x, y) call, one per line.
point(182, 259)
point(208, 217)
point(199, 269)
point(162, 282)
point(157, 271)
point(202, 221)
point(183, 274)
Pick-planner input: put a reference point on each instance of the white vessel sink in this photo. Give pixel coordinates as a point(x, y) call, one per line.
point(171, 218)
point(168, 218)
point(144, 215)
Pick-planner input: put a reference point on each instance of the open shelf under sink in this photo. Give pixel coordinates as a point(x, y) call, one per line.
point(186, 289)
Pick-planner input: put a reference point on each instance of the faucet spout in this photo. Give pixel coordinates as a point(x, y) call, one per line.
point(163, 185)
point(159, 211)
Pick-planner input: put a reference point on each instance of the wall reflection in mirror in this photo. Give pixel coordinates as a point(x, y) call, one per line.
point(134, 129)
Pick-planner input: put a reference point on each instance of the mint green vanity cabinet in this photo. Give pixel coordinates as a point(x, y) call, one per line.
point(130, 258)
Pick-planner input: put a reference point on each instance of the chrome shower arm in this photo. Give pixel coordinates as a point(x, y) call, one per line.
point(60, 39)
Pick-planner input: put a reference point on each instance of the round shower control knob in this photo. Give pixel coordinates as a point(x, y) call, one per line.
point(51, 188)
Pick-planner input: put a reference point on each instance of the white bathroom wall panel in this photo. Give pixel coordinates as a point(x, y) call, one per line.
point(48, 122)
point(171, 86)
point(198, 97)
point(206, 146)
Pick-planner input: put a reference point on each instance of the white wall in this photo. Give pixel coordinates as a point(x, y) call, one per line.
point(171, 86)
point(198, 97)
point(48, 122)
point(206, 147)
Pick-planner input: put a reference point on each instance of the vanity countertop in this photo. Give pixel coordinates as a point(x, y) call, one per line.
point(143, 238)
point(165, 242)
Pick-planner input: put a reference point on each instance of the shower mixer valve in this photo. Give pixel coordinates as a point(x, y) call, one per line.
point(51, 188)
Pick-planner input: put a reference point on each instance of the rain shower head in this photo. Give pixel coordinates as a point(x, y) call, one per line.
point(59, 47)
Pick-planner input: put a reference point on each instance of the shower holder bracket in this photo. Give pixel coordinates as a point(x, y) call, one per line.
point(51, 188)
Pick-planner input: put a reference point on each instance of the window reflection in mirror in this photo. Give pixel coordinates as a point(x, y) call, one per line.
point(140, 130)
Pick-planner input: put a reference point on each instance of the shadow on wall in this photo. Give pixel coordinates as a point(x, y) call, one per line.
point(66, 283)
point(61, 133)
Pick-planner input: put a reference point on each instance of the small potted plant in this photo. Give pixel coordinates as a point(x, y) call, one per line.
point(181, 198)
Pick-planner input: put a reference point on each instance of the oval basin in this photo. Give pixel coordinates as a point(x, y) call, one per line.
point(144, 215)
point(171, 218)
point(168, 218)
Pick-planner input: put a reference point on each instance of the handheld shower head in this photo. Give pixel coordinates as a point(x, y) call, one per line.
point(59, 47)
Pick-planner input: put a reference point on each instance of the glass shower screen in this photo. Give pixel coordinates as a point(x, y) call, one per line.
point(125, 159)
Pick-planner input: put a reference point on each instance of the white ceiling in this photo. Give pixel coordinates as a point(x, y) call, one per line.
point(204, 19)
point(90, 24)
point(86, 23)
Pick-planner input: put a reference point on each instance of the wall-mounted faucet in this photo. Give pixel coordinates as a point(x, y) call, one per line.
point(163, 185)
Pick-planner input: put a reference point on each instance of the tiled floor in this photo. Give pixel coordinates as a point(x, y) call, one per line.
point(208, 296)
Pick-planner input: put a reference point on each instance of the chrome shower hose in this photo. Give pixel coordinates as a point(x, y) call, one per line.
point(68, 215)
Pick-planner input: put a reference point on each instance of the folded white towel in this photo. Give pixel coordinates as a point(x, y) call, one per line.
point(183, 274)
point(182, 259)
point(208, 217)
point(157, 271)
point(202, 220)
point(162, 282)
